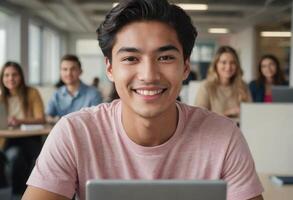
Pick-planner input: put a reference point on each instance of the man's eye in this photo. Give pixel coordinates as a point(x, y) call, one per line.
point(130, 59)
point(166, 58)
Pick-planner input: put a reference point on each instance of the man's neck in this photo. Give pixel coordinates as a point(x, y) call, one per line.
point(150, 131)
point(72, 88)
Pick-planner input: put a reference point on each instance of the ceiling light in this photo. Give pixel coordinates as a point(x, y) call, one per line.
point(186, 6)
point(276, 34)
point(218, 30)
point(189, 6)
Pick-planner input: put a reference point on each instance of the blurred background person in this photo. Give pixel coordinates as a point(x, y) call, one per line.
point(224, 90)
point(24, 106)
point(269, 74)
point(73, 94)
point(96, 84)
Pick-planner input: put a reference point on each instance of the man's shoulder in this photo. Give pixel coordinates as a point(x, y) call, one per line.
point(204, 119)
point(89, 89)
point(60, 90)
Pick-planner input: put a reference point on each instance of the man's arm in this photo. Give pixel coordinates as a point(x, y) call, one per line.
point(257, 198)
point(34, 193)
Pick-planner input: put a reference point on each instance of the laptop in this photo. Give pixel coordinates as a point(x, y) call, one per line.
point(283, 94)
point(3, 117)
point(156, 190)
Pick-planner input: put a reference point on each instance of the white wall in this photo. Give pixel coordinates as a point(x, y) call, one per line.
point(244, 43)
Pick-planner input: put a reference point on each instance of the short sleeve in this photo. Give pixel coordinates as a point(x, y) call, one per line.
point(55, 168)
point(239, 170)
point(202, 96)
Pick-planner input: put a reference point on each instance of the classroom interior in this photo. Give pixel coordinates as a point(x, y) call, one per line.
point(37, 33)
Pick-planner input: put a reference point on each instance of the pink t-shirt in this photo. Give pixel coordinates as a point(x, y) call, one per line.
point(92, 144)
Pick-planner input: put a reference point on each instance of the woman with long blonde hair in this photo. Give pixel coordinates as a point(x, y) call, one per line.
point(224, 89)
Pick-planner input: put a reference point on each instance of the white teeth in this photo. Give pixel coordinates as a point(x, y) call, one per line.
point(149, 92)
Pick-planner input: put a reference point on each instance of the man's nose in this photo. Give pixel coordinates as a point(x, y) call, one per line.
point(149, 71)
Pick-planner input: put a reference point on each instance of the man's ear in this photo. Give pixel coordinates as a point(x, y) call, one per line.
point(186, 68)
point(109, 69)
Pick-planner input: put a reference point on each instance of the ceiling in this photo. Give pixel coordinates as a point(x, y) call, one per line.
point(84, 16)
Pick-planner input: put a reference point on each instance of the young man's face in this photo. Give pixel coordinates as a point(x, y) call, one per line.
point(147, 68)
point(70, 72)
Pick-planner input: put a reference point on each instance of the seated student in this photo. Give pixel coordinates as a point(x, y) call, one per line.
point(24, 106)
point(223, 90)
point(96, 84)
point(146, 134)
point(269, 74)
point(73, 94)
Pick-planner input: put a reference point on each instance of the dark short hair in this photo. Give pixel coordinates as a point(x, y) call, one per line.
point(73, 58)
point(128, 11)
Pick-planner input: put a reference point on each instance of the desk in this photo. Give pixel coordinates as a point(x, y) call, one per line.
point(16, 133)
point(275, 192)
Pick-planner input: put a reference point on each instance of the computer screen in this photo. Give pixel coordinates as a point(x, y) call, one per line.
point(282, 94)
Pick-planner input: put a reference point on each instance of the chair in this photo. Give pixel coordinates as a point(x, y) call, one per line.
point(5, 193)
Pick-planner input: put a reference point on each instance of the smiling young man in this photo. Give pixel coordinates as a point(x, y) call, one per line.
point(74, 94)
point(146, 134)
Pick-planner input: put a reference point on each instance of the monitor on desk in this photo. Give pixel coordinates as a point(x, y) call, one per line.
point(282, 94)
point(3, 117)
point(156, 189)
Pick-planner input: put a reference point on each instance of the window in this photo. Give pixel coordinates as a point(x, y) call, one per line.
point(92, 60)
point(51, 55)
point(44, 55)
point(2, 47)
point(2, 39)
point(201, 57)
point(34, 54)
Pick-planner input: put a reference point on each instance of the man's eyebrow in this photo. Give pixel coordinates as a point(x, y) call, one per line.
point(128, 49)
point(136, 50)
point(168, 48)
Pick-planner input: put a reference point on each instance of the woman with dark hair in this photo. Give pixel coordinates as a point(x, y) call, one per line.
point(269, 74)
point(24, 106)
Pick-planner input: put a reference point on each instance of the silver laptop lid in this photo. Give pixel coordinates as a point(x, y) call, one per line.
point(282, 94)
point(155, 189)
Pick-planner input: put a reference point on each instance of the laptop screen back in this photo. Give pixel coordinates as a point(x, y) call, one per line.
point(156, 189)
point(282, 94)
